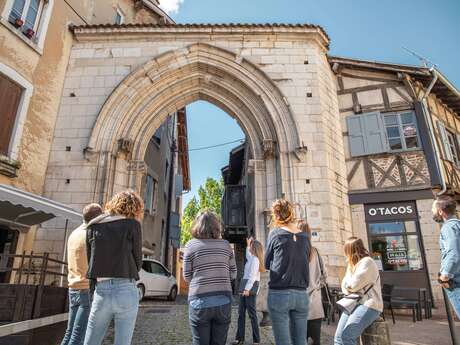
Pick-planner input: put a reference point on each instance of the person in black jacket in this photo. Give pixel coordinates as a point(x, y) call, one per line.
point(114, 249)
point(286, 257)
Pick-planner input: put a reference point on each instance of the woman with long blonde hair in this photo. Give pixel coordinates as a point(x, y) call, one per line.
point(114, 242)
point(362, 278)
point(287, 257)
point(249, 289)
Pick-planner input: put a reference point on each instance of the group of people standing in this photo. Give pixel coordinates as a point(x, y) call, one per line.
point(297, 275)
point(105, 256)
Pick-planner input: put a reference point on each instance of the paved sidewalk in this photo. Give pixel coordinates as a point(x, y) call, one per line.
point(165, 323)
point(405, 332)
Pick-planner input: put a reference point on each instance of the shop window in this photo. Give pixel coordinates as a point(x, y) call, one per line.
point(395, 245)
point(373, 133)
point(10, 97)
point(151, 186)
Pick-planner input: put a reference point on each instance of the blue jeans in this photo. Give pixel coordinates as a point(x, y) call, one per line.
point(289, 313)
point(79, 306)
point(351, 326)
point(454, 298)
point(113, 299)
point(210, 325)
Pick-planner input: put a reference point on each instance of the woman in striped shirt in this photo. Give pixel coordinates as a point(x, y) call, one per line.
point(209, 267)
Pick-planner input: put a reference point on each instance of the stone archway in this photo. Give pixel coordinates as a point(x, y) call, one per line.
point(169, 82)
point(123, 80)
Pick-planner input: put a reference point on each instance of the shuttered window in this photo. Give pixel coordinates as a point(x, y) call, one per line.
point(449, 144)
point(366, 134)
point(10, 96)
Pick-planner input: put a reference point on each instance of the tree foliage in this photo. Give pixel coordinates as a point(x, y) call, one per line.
point(209, 198)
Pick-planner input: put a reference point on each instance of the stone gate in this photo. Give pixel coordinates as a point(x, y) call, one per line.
point(275, 80)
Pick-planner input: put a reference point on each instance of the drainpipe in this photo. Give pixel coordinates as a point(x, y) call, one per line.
point(429, 120)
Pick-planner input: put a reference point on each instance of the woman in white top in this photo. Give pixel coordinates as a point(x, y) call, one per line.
point(363, 278)
point(249, 288)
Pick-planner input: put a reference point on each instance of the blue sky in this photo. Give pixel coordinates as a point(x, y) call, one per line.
point(365, 29)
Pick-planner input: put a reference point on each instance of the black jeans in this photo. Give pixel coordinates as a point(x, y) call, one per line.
point(210, 325)
point(248, 303)
point(314, 331)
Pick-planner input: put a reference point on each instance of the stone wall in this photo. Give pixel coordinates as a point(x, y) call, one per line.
point(288, 65)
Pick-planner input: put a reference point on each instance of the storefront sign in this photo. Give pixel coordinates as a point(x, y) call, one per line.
point(387, 211)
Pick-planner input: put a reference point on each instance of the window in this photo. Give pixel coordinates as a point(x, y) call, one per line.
point(119, 17)
point(401, 131)
point(150, 194)
point(395, 245)
point(10, 98)
point(373, 133)
point(453, 146)
point(26, 16)
point(449, 143)
point(146, 266)
point(158, 269)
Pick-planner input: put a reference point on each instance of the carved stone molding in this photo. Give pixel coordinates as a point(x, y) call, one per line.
point(301, 153)
point(269, 146)
point(256, 165)
point(125, 146)
point(137, 166)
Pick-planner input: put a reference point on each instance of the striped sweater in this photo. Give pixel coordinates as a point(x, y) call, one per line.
point(209, 267)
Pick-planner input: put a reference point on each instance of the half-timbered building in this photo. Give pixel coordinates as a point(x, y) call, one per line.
point(401, 132)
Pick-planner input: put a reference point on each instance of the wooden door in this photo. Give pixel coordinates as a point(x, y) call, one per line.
point(10, 96)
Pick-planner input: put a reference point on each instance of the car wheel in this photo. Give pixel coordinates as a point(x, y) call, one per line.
point(172, 294)
point(141, 291)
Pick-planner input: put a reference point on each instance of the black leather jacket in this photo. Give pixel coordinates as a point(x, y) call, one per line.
point(114, 247)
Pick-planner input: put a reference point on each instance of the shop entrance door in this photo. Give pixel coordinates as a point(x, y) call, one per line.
point(8, 242)
point(396, 245)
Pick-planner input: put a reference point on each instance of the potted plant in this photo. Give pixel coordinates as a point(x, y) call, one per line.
point(29, 33)
point(18, 22)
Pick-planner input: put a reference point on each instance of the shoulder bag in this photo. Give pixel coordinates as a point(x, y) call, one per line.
point(350, 302)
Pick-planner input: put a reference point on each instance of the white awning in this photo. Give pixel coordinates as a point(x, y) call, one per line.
point(26, 209)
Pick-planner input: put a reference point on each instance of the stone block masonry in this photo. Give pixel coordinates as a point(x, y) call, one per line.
point(122, 82)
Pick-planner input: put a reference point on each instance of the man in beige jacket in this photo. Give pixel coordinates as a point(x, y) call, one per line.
point(79, 295)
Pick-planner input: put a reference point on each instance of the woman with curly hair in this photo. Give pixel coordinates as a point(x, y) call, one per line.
point(115, 258)
point(287, 258)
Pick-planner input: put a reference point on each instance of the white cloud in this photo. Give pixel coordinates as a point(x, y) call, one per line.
point(171, 6)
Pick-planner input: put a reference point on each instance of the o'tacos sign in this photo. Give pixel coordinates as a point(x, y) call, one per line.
point(399, 210)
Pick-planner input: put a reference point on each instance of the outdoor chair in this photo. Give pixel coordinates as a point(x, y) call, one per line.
point(403, 298)
point(387, 293)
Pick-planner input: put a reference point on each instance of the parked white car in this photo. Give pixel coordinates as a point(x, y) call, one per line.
point(156, 280)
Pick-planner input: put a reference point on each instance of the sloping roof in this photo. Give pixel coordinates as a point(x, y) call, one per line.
point(443, 88)
point(27, 209)
point(275, 27)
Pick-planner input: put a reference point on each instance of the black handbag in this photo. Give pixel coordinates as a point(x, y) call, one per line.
point(254, 289)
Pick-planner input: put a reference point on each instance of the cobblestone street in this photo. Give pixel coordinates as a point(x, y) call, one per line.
point(164, 323)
